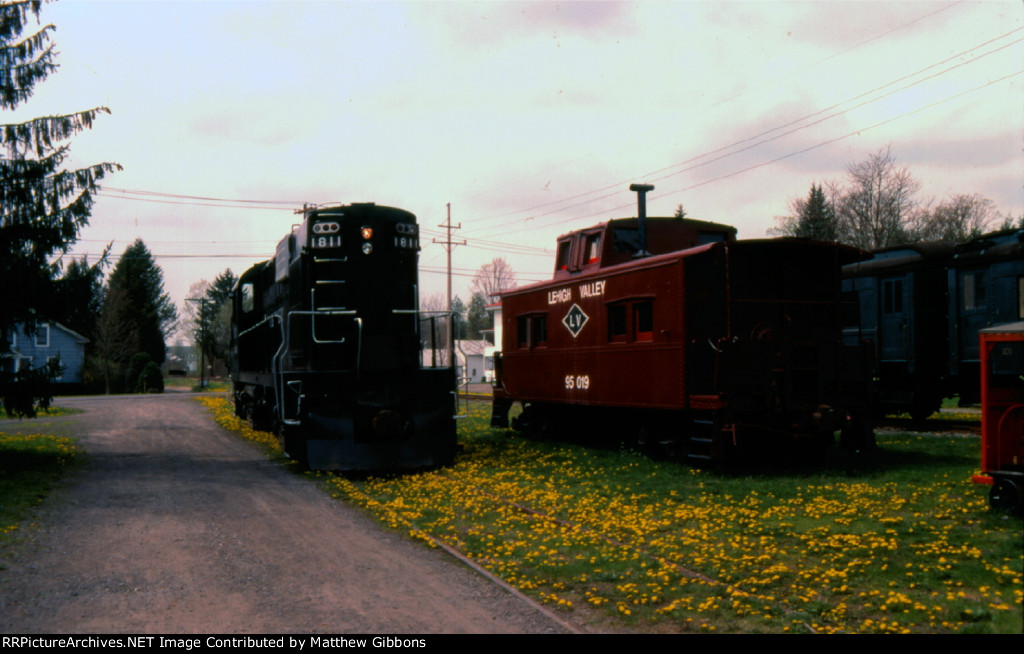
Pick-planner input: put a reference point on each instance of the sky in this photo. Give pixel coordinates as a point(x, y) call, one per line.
point(525, 120)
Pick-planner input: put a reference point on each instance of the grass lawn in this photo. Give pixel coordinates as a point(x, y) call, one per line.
point(900, 543)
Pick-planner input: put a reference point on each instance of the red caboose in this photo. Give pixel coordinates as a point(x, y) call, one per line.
point(692, 338)
point(1002, 414)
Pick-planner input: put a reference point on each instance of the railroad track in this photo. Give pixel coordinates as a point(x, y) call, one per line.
point(932, 425)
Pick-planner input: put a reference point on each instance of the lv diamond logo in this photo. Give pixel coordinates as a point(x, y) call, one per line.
point(575, 320)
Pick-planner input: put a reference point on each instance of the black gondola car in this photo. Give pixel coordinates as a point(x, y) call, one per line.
point(328, 346)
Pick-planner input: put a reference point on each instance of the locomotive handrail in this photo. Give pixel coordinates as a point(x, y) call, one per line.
point(258, 325)
point(460, 384)
point(433, 313)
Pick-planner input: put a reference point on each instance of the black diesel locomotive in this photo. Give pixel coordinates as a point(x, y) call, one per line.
point(328, 345)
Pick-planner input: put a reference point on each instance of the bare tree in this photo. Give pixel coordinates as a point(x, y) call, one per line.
point(493, 278)
point(959, 218)
point(872, 213)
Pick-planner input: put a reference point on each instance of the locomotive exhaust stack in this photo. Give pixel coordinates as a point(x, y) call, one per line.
point(641, 215)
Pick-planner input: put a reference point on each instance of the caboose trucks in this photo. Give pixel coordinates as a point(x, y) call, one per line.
point(328, 342)
point(703, 346)
point(1002, 415)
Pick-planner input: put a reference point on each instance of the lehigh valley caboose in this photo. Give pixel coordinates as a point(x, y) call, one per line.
point(691, 338)
point(328, 340)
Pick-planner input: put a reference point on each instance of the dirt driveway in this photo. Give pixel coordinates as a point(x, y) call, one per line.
point(176, 526)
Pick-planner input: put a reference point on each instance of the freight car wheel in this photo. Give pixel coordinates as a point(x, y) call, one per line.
point(1005, 495)
point(922, 407)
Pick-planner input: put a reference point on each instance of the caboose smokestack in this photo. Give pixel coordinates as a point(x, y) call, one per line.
point(641, 215)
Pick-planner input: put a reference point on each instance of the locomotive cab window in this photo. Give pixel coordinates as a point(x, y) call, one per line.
point(248, 298)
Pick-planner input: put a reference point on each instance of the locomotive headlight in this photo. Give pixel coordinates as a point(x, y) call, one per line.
point(367, 248)
point(367, 234)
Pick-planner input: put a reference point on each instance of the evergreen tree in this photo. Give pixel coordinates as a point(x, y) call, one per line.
point(80, 293)
point(476, 317)
point(42, 205)
point(211, 329)
point(145, 310)
point(816, 219)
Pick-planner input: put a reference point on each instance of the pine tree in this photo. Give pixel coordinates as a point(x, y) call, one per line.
point(817, 220)
point(146, 310)
point(42, 204)
point(211, 329)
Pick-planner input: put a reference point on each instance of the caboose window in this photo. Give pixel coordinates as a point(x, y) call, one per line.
point(531, 331)
point(523, 331)
point(617, 322)
point(593, 248)
point(643, 320)
point(538, 330)
point(562, 258)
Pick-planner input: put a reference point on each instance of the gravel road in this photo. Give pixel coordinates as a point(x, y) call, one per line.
point(175, 526)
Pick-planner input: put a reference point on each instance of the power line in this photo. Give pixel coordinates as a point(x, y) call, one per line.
point(614, 188)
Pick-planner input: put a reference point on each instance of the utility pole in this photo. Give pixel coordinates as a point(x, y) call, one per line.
point(202, 340)
point(448, 244)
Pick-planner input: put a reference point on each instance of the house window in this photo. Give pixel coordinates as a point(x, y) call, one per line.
point(43, 336)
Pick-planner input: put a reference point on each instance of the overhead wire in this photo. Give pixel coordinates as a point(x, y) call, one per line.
point(615, 189)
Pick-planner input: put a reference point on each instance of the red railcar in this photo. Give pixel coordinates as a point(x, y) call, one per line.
point(1002, 415)
point(702, 341)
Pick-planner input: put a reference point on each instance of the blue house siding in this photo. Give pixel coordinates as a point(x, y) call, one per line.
point(50, 340)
